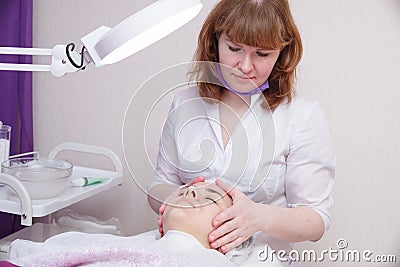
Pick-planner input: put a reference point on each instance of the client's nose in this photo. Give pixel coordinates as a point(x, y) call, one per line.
point(191, 192)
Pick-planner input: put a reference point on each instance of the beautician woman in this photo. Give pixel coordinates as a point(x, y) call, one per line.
point(256, 42)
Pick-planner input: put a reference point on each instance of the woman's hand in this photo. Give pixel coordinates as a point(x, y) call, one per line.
point(165, 203)
point(236, 224)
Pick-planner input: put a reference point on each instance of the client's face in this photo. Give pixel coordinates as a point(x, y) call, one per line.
point(192, 209)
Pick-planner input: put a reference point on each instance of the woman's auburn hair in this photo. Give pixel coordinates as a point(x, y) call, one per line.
point(267, 24)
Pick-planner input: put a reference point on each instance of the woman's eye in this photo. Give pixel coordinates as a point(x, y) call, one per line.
point(260, 54)
point(180, 194)
point(233, 49)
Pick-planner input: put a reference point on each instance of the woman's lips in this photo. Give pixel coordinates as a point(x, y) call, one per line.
point(243, 78)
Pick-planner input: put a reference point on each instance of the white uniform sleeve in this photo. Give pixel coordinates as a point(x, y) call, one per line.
point(166, 171)
point(311, 163)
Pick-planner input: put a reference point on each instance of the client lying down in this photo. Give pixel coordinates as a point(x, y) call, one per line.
point(186, 222)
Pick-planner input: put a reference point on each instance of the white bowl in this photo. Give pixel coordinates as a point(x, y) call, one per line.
point(43, 178)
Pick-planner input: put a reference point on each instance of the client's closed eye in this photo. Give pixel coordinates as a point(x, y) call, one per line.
point(209, 198)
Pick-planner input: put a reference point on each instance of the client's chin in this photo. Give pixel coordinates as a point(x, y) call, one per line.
point(185, 220)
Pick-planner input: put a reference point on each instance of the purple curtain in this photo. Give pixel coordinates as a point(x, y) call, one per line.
point(16, 87)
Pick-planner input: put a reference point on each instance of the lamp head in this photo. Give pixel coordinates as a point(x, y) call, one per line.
point(106, 46)
point(147, 26)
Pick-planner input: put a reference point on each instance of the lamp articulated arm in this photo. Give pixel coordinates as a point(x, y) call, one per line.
point(106, 46)
point(60, 63)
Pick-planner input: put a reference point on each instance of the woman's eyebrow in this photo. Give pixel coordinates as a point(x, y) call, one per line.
point(259, 49)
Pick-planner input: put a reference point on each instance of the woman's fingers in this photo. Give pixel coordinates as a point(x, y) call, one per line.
point(231, 212)
point(162, 208)
point(229, 189)
point(234, 225)
point(223, 227)
point(229, 241)
point(160, 215)
point(198, 179)
point(222, 217)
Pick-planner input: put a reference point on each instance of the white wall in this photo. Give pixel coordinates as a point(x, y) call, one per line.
point(349, 66)
point(89, 107)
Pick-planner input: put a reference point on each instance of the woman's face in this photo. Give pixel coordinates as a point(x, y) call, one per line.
point(192, 208)
point(248, 66)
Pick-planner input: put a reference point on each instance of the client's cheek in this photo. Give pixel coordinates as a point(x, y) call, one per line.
point(166, 215)
point(210, 217)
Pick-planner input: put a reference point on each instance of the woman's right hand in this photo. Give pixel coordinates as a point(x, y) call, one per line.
point(165, 203)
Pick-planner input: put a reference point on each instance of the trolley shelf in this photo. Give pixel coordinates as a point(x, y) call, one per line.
point(69, 196)
point(23, 205)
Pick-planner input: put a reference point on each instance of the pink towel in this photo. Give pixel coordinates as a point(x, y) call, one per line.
point(77, 249)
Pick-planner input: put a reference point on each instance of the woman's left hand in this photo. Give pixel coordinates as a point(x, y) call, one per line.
point(236, 224)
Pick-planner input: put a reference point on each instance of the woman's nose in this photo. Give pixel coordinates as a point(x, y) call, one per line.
point(246, 64)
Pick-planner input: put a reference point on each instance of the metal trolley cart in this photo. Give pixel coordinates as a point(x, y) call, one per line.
point(22, 204)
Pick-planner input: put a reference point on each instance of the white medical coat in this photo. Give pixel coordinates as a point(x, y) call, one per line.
point(283, 158)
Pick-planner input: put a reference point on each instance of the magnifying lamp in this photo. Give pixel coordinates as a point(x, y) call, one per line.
point(106, 45)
